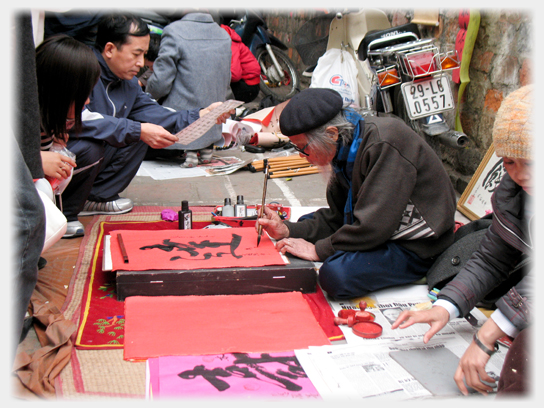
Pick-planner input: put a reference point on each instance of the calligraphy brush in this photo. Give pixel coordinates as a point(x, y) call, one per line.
point(260, 227)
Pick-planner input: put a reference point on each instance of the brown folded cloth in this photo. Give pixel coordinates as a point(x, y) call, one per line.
point(37, 372)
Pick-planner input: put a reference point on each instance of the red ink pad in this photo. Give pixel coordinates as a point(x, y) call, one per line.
point(368, 330)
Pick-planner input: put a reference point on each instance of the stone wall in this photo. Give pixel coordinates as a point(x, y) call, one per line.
point(501, 62)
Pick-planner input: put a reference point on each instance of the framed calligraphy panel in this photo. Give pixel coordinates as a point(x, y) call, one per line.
point(475, 202)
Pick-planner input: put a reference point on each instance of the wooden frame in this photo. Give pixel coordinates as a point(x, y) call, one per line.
point(475, 202)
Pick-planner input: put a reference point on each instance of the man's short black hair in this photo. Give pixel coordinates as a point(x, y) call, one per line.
point(116, 28)
point(154, 46)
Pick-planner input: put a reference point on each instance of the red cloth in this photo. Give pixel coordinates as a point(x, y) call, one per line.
point(464, 18)
point(243, 63)
point(197, 325)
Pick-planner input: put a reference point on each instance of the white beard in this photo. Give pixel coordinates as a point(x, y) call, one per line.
point(326, 173)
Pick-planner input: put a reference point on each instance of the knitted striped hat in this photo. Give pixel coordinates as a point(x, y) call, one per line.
point(512, 131)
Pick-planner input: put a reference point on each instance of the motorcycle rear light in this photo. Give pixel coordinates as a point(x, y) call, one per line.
point(388, 77)
point(422, 63)
point(449, 60)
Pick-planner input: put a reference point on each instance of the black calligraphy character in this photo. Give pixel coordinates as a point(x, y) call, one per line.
point(168, 246)
point(251, 368)
point(209, 375)
point(242, 372)
point(493, 177)
point(234, 243)
point(278, 376)
point(191, 248)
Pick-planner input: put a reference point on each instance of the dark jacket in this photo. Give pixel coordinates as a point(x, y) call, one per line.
point(506, 243)
point(120, 106)
point(401, 193)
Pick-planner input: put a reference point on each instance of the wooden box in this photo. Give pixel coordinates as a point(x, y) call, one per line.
point(299, 275)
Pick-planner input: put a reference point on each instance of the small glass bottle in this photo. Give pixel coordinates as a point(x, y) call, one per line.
point(185, 216)
point(228, 209)
point(240, 209)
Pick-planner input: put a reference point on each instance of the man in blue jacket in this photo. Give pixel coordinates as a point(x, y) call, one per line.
point(119, 124)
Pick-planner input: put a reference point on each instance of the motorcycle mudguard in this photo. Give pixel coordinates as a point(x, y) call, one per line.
point(275, 41)
point(259, 39)
point(262, 37)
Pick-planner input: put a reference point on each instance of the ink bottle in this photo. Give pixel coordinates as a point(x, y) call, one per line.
point(228, 209)
point(185, 216)
point(240, 209)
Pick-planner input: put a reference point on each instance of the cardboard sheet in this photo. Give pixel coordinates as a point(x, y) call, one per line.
point(193, 249)
point(198, 325)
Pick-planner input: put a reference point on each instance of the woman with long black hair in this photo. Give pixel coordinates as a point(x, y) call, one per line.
point(67, 70)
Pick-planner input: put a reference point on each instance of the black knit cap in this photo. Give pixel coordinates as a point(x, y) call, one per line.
point(309, 109)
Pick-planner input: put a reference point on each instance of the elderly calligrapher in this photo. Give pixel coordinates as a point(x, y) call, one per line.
point(391, 204)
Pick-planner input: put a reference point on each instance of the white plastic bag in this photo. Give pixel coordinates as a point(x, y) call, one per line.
point(336, 70)
point(55, 221)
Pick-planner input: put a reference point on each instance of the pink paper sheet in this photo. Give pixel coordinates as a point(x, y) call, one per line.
point(253, 375)
point(193, 249)
point(199, 325)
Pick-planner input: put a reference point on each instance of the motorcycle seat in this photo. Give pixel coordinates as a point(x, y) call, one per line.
point(384, 38)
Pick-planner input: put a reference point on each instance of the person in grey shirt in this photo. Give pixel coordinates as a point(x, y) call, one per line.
point(191, 71)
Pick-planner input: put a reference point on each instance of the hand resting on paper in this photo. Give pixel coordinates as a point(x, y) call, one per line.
point(298, 247)
point(437, 317)
point(274, 226)
point(471, 371)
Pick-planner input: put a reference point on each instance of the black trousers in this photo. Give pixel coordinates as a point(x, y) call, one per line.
point(244, 92)
point(102, 172)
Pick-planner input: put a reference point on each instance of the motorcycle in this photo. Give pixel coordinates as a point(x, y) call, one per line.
point(411, 80)
point(398, 72)
point(279, 77)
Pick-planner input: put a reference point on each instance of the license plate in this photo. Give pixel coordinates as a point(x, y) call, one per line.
point(427, 97)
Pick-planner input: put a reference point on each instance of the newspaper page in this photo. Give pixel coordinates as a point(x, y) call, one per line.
point(364, 369)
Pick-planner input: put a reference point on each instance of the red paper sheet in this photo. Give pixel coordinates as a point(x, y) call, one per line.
point(193, 249)
point(195, 325)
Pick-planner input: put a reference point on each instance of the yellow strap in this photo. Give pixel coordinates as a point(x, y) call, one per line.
point(470, 39)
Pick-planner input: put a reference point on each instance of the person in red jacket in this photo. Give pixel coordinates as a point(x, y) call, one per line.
point(244, 68)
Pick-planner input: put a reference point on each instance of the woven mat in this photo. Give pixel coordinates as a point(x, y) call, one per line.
point(103, 373)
